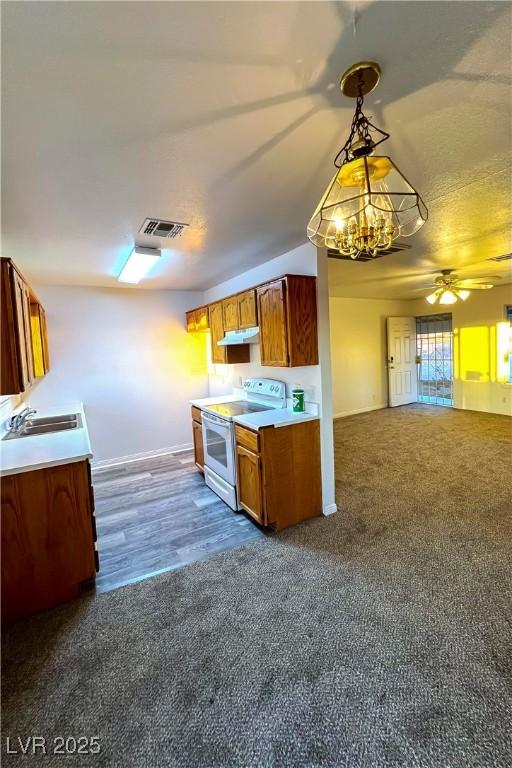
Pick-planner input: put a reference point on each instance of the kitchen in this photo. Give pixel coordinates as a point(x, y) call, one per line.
point(258, 445)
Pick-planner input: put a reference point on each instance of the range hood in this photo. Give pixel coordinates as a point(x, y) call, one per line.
point(247, 336)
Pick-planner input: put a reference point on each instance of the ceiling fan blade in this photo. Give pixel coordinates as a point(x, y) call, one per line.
point(475, 280)
point(475, 286)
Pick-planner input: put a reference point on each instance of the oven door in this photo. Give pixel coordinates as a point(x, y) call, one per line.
point(219, 453)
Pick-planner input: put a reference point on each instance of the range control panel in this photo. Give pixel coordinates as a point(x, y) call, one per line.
point(265, 387)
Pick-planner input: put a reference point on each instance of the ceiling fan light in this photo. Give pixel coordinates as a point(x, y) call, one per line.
point(463, 294)
point(448, 297)
point(432, 298)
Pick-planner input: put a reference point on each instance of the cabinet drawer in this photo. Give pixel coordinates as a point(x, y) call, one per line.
point(247, 438)
point(196, 414)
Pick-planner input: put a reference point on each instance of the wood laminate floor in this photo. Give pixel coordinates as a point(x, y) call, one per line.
point(157, 514)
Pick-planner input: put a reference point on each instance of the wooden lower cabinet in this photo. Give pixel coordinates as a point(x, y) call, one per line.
point(279, 479)
point(249, 483)
point(48, 534)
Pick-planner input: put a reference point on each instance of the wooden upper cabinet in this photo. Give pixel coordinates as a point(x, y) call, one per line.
point(247, 314)
point(39, 339)
point(191, 321)
point(235, 353)
point(197, 320)
point(287, 314)
point(202, 322)
point(17, 361)
point(217, 332)
point(273, 329)
point(230, 312)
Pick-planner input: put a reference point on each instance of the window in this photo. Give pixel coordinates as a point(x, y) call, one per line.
point(435, 354)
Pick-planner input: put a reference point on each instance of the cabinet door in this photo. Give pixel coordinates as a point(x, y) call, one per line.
point(37, 340)
point(45, 556)
point(191, 321)
point(28, 332)
point(230, 311)
point(272, 320)
point(217, 332)
point(23, 334)
point(202, 319)
point(198, 444)
point(249, 482)
point(44, 339)
point(247, 316)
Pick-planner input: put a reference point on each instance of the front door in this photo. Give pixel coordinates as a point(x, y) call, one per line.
point(402, 378)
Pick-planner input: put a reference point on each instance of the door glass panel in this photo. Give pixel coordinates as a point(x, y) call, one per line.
point(435, 351)
point(216, 447)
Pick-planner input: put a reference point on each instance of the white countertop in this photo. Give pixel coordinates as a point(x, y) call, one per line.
point(273, 417)
point(277, 417)
point(25, 454)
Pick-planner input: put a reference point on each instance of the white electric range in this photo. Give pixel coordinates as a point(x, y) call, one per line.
point(219, 433)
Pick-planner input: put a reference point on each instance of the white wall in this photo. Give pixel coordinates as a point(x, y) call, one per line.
point(315, 379)
point(124, 353)
point(359, 352)
point(476, 386)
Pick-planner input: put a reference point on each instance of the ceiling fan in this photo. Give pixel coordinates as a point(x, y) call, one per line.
point(448, 287)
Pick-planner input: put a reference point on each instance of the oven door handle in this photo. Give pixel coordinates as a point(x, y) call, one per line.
point(215, 420)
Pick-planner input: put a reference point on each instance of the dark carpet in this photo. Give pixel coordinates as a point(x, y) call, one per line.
point(380, 636)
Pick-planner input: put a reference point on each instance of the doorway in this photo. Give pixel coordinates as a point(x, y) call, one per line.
point(434, 343)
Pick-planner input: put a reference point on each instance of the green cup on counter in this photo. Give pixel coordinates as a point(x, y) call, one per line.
point(298, 401)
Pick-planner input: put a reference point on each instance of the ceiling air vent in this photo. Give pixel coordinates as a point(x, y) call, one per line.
point(503, 257)
point(332, 253)
point(161, 228)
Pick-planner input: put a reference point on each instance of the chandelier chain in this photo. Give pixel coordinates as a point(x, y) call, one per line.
point(362, 127)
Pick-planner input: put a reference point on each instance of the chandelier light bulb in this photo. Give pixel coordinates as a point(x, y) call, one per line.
point(463, 295)
point(432, 298)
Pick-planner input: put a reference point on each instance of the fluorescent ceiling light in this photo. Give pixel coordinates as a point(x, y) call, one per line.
point(138, 264)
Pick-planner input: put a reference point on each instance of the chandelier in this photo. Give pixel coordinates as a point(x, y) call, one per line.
point(368, 203)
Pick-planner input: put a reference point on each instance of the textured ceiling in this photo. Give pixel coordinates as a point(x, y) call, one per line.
point(228, 115)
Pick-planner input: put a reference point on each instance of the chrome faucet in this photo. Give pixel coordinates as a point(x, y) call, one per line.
point(17, 422)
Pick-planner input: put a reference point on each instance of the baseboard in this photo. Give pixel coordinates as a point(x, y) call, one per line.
point(140, 456)
point(359, 410)
point(330, 509)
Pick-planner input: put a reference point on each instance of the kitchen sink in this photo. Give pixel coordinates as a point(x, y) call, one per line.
point(53, 419)
point(46, 425)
